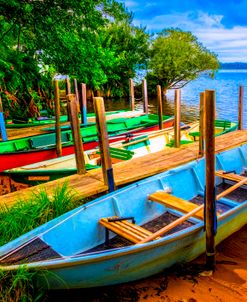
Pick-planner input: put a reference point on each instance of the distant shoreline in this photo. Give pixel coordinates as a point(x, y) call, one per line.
point(235, 66)
point(232, 70)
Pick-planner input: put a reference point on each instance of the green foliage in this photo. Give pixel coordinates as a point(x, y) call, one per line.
point(21, 218)
point(91, 40)
point(177, 58)
point(130, 46)
point(17, 286)
point(26, 215)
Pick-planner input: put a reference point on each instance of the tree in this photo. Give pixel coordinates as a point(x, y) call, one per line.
point(176, 57)
point(130, 47)
point(74, 37)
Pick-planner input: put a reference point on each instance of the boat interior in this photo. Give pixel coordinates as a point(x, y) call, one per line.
point(159, 208)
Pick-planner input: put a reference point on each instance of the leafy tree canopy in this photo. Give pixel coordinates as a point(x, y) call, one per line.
point(177, 57)
point(91, 40)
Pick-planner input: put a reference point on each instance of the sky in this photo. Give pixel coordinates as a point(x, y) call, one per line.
point(220, 25)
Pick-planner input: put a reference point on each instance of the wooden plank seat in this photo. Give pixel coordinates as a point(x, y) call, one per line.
point(120, 153)
point(176, 203)
point(123, 227)
point(231, 175)
point(217, 123)
point(222, 123)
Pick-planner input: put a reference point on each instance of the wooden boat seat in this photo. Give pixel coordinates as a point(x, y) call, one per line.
point(120, 153)
point(124, 228)
point(229, 175)
point(217, 123)
point(176, 203)
point(240, 181)
point(40, 141)
point(223, 124)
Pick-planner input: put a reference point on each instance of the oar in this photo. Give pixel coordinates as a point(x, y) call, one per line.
point(232, 188)
point(171, 225)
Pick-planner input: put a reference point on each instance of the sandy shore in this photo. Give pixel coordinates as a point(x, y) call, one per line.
point(227, 283)
point(187, 283)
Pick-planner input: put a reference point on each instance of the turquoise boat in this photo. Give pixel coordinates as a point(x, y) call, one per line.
point(115, 238)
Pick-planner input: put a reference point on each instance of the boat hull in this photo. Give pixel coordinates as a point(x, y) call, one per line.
point(143, 262)
point(73, 235)
point(11, 160)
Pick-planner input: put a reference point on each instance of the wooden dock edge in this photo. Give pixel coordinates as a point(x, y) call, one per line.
point(92, 182)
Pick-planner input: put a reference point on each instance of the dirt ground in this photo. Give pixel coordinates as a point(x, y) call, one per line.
point(188, 283)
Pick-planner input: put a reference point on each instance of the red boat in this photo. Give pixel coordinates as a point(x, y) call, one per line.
point(15, 153)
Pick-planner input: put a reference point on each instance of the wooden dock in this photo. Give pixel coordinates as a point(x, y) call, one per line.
point(91, 183)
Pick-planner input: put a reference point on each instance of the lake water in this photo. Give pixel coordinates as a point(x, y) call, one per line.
point(226, 84)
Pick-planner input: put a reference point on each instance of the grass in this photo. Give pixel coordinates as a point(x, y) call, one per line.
point(23, 217)
point(26, 215)
point(17, 286)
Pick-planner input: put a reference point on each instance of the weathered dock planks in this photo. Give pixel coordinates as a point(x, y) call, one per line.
point(92, 182)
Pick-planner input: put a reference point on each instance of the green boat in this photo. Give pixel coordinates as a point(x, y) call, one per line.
point(137, 146)
point(44, 120)
point(32, 149)
point(221, 127)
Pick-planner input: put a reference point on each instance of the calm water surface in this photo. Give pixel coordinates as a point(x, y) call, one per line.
point(226, 84)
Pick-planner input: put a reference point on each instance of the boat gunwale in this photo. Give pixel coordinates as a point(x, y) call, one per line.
point(74, 260)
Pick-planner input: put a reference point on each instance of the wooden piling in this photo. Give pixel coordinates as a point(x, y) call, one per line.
point(131, 94)
point(83, 104)
point(57, 117)
point(202, 124)
point(2, 123)
point(210, 206)
point(160, 108)
point(240, 107)
point(104, 143)
point(68, 91)
point(145, 96)
point(68, 86)
point(77, 94)
point(177, 118)
point(75, 125)
point(1, 104)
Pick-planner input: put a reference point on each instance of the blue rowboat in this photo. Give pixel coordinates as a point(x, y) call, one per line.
point(103, 242)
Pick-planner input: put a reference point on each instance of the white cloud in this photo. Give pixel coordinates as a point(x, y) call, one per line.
point(229, 44)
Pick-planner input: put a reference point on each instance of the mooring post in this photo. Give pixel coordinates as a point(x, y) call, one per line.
point(145, 96)
point(202, 124)
point(177, 118)
point(75, 125)
point(1, 104)
point(160, 108)
point(2, 123)
point(240, 107)
point(57, 117)
point(210, 218)
point(106, 163)
point(3, 128)
point(83, 104)
point(68, 91)
point(131, 94)
point(77, 95)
